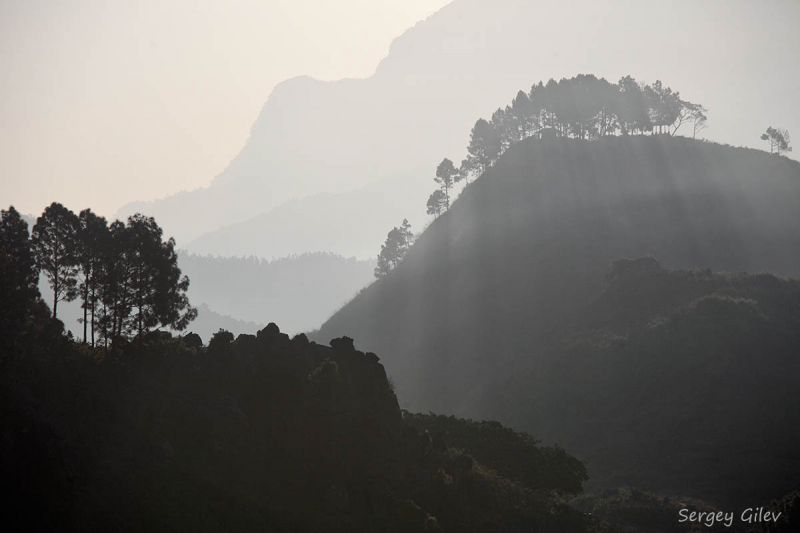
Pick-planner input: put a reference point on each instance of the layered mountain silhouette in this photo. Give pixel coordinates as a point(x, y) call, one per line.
point(316, 137)
point(241, 294)
point(515, 305)
point(302, 290)
point(323, 221)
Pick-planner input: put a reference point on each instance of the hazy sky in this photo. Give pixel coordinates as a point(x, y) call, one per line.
point(107, 101)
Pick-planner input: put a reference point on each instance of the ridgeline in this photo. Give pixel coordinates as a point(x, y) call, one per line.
point(514, 306)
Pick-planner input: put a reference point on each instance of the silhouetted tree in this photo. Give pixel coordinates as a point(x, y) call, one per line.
point(484, 148)
point(778, 140)
point(436, 203)
point(158, 292)
point(686, 113)
point(55, 245)
point(699, 119)
point(582, 107)
point(631, 109)
point(398, 241)
point(664, 105)
point(446, 174)
point(92, 237)
point(19, 274)
point(141, 284)
point(523, 118)
point(115, 291)
point(171, 305)
point(502, 122)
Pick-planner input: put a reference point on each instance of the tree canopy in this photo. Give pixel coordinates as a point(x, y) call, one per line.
point(55, 246)
point(446, 176)
point(436, 203)
point(398, 241)
point(19, 273)
point(581, 107)
point(778, 140)
point(126, 275)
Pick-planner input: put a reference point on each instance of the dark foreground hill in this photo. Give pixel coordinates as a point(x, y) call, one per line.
point(264, 433)
point(503, 310)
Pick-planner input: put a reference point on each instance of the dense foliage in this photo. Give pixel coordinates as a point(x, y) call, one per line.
point(19, 275)
point(398, 241)
point(260, 432)
point(582, 107)
point(513, 455)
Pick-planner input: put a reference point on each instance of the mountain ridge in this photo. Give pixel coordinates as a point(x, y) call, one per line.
point(491, 290)
point(314, 136)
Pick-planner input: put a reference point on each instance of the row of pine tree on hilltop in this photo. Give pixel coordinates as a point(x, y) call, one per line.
point(582, 107)
point(125, 275)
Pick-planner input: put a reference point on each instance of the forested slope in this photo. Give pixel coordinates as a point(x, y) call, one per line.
point(260, 433)
point(474, 321)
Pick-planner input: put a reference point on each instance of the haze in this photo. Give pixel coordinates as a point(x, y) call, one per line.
point(102, 102)
point(566, 230)
point(213, 118)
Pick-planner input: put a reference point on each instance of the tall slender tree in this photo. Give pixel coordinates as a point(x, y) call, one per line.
point(484, 148)
point(398, 242)
point(632, 109)
point(436, 203)
point(159, 290)
point(778, 140)
point(699, 119)
point(55, 245)
point(523, 118)
point(19, 274)
point(446, 175)
point(92, 238)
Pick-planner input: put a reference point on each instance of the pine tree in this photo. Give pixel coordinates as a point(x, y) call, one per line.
point(55, 245)
point(19, 275)
point(446, 176)
point(398, 242)
point(484, 148)
point(142, 286)
point(778, 140)
point(92, 238)
point(436, 203)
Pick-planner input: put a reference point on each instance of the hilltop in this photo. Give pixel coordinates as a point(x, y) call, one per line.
point(498, 309)
point(316, 136)
point(259, 433)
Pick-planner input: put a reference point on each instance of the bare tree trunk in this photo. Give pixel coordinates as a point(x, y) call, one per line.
point(94, 301)
point(92, 320)
point(85, 305)
point(140, 325)
point(55, 294)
